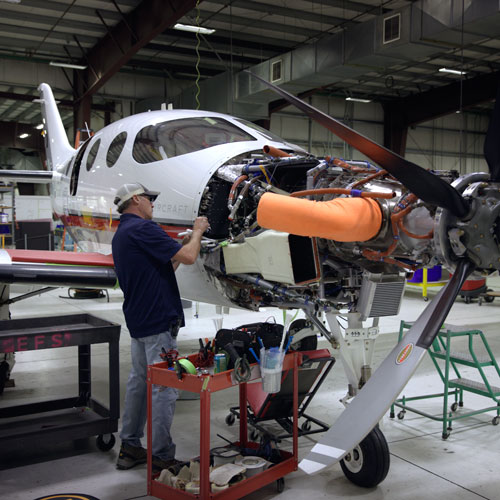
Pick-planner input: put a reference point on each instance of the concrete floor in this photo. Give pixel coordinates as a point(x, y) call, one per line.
point(464, 467)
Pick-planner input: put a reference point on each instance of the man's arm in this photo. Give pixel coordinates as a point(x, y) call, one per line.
point(190, 251)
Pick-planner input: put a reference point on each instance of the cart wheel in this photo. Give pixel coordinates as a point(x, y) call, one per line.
point(445, 435)
point(254, 435)
point(489, 298)
point(306, 426)
point(105, 442)
point(280, 485)
point(454, 407)
point(230, 419)
point(467, 299)
point(426, 298)
point(495, 420)
point(401, 415)
point(368, 464)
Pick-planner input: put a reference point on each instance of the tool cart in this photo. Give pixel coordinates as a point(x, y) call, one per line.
point(440, 350)
point(65, 418)
point(264, 407)
point(205, 384)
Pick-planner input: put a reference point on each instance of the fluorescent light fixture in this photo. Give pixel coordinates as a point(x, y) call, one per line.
point(66, 65)
point(23, 136)
point(357, 99)
point(452, 71)
point(39, 127)
point(193, 29)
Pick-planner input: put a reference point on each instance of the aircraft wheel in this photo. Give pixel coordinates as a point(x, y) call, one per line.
point(368, 464)
point(309, 343)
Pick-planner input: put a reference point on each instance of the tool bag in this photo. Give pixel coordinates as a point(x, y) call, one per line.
point(245, 337)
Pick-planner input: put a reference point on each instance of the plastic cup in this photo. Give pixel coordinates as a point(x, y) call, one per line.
point(271, 368)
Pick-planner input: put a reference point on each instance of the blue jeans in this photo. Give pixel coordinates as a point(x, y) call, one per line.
point(146, 351)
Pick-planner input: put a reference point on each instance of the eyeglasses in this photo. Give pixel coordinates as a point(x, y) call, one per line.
point(150, 198)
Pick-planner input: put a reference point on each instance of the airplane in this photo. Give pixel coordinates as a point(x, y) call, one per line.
point(335, 238)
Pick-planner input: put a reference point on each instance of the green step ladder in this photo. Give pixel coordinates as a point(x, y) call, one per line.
point(455, 387)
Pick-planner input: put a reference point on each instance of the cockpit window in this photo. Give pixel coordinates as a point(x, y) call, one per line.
point(92, 154)
point(186, 135)
point(115, 149)
point(261, 130)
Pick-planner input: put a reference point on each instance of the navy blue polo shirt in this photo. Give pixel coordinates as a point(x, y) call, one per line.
point(142, 253)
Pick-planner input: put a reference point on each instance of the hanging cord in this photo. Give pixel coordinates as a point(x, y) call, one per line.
point(198, 42)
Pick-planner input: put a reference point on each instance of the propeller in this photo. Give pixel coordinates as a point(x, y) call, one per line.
point(492, 142)
point(368, 407)
point(419, 181)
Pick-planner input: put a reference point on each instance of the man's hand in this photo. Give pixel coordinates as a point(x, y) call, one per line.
point(201, 224)
point(190, 249)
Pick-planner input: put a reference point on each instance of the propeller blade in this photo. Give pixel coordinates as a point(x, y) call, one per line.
point(368, 407)
point(492, 142)
point(419, 181)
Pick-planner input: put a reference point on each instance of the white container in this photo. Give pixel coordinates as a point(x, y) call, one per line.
point(271, 369)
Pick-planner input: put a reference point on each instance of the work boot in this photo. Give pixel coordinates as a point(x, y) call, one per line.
point(130, 456)
point(172, 464)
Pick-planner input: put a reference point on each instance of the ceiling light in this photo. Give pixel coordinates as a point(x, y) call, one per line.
point(39, 127)
point(66, 65)
point(23, 136)
point(193, 29)
point(357, 99)
point(452, 71)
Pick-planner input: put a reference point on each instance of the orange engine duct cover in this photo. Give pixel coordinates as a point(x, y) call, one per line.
point(341, 219)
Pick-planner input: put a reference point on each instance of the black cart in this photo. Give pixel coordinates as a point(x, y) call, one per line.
point(264, 407)
point(68, 418)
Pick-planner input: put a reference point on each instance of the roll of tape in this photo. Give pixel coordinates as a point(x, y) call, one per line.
point(253, 465)
point(188, 366)
point(216, 488)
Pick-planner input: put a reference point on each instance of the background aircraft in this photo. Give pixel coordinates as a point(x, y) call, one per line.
point(331, 237)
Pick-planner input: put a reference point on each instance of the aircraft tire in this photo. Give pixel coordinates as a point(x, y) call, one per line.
point(368, 464)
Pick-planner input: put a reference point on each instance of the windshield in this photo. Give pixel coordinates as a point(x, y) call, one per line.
point(178, 137)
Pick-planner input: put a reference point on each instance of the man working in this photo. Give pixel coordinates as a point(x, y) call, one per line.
point(145, 259)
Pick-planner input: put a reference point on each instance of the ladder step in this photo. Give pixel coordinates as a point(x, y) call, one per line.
point(466, 356)
point(465, 383)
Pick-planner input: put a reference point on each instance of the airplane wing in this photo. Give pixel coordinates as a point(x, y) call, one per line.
point(368, 407)
point(57, 268)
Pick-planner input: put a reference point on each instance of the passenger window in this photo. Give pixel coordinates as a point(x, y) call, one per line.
point(178, 137)
point(92, 154)
point(73, 184)
point(115, 149)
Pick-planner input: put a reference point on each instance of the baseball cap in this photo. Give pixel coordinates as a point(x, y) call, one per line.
point(126, 192)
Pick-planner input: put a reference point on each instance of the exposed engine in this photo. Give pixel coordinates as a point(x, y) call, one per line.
point(257, 266)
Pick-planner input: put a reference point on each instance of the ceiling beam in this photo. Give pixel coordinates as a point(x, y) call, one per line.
point(119, 45)
point(445, 100)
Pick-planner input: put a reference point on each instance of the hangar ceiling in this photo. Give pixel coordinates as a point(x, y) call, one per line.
point(138, 37)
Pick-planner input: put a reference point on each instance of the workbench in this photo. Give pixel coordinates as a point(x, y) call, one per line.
point(67, 418)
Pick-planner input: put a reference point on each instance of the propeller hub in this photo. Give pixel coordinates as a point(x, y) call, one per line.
point(476, 237)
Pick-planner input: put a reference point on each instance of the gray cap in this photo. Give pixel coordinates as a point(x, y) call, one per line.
point(126, 192)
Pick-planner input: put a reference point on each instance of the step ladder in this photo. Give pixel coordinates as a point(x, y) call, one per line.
point(440, 350)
